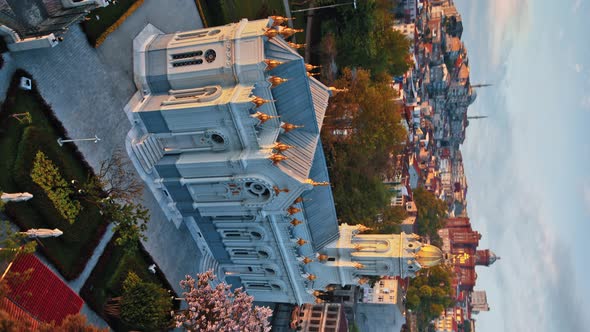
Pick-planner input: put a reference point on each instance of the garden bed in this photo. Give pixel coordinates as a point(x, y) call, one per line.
point(19, 142)
point(107, 278)
point(221, 12)
point(103, 21)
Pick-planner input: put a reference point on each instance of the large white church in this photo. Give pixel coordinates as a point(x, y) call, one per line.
point(227, 137)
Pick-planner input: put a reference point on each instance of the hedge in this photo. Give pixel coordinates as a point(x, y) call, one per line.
point(70, 252)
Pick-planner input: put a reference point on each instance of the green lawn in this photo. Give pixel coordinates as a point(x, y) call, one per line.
point(111, 270)
point(107, 16)
point(18, 146)
point(221, 12)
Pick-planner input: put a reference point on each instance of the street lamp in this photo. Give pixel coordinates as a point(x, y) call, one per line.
point(61, 141)
point(328, 6)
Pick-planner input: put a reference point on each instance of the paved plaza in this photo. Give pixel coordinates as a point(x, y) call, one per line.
point(88, 88)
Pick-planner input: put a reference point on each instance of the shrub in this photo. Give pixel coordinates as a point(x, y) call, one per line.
point(144, 305)
point(47, 176)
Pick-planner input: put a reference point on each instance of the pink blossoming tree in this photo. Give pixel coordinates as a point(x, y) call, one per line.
point(218, 308)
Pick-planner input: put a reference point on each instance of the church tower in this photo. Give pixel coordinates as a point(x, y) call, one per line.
point(485, 257)
point(353, 255)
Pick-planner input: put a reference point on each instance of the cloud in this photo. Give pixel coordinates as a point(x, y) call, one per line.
point(586, 196)
point(578, 67)
point(508, 20)
point(576, 5)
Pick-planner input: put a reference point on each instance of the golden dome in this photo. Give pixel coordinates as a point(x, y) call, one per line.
point(429, 256)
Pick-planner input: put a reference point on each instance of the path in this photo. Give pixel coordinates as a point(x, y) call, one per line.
point(77, 283)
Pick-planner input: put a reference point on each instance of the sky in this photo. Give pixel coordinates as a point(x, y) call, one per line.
point(526, 165)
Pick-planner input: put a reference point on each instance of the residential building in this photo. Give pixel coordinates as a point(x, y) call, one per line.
point(479, 302)
point(324, 317)
point(26, 25)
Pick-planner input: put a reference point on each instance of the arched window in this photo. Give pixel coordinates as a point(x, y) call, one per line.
point(198, 95)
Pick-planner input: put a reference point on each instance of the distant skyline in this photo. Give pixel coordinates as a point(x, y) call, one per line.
point(529, 191)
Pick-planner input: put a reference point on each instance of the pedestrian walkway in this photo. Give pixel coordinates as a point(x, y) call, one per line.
point(77, 283)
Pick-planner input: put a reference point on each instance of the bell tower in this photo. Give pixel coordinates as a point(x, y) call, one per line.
point(354, 255)
point(485, 257)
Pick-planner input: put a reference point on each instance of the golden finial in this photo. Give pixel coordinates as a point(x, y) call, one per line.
point(307, 260)
point(278, 20)
point(317, 293)
point(288, 127)
point(298, 200)
point(280, 147)
point(312, 74)
point(275, 80)
point(322, 257)
point(277, 158)
point(301, 242)
point(263, 117)
point(358, 265)
point(295, 45)
point(288, 32)
point(292, 210)
point(315, 184)
point(270, 64)
point(311, 277)
point(271, 33)
point(330, 288)
point(260, 101)
point(296, 222)
point(318, 301)
point(336, 90)
point(278, 190)
point(309, 67)
point(357, 247)
point(362, 228)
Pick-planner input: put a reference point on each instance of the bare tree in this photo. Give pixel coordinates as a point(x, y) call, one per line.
point(115, 180)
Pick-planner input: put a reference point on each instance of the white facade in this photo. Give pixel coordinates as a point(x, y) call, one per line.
point(225, 133)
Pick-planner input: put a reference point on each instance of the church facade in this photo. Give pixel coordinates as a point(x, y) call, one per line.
point(226, 135)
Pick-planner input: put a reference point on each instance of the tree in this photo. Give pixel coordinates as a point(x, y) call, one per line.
point(115, 189)
point(144, 305)
point(431, 213)
point(130, 221)
point(429, 293)
point(115, 180)
point(358, 161)
point(12, 244)
point(218, 308)
point(365, 38)
point(72, 323)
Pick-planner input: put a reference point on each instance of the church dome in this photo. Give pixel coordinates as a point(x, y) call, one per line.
point(429, 256)
point(492, 258)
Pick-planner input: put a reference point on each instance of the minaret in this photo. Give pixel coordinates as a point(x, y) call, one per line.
point(353, 255)
point(481, 85)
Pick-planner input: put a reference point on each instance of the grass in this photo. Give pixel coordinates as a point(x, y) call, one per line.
point(221, 12)
point(18, 146)
point(110, 17)
point(111, 270)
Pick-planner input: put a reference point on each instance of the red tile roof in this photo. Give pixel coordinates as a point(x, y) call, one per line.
point(18, 314)
point(44, 296)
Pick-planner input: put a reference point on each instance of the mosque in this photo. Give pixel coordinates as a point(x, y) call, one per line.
point(227, 137)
